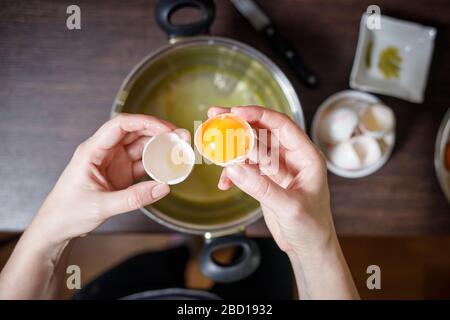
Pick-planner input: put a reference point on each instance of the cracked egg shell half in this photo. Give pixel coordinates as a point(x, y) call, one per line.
point(377, 120)
point(168, 159)
point(224, 139)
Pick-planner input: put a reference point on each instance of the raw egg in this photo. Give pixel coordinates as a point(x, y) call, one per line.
point(224, 139)
point(168, 159)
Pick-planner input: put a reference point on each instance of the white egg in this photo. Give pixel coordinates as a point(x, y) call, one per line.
point(377, 120)
point(356, 153)
point(344, 156)
point(338, 125)
point(168, 159)
point(367, 148)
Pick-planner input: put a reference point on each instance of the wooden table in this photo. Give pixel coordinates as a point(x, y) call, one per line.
point(57, 87)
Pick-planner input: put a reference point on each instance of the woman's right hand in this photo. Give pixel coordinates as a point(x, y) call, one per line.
point(293, 192)
point(290, 182)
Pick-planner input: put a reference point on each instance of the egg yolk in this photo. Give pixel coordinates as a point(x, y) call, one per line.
point(225, 138)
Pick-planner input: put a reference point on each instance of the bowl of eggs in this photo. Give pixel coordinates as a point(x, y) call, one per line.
point(356, 133)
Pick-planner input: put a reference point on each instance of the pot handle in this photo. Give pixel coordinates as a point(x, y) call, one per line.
point(166, 8)
point(242, 267)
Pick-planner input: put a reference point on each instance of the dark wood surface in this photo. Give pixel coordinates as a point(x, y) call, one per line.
point(57, 87)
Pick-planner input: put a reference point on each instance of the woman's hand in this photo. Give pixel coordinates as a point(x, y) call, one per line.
point(99, 180)
point(293, 189)
point(97, 184)
point(290, 182)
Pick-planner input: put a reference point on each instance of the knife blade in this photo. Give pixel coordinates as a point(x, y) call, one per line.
point(262, 23)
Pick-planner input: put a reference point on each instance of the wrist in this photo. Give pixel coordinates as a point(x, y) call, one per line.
point(40, 236)
point(35, 240)
point(50, 225)
point(324, 246)
point(32, 266)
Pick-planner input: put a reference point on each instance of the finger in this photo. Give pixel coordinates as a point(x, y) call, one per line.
point(183, 134)
point(134, 150)
point(131, 137)
point(291, 136)
point(271, 163)
point(249, 179)
point(224, 182)
point(214, 111)
point(134, 197)
point(113, 131)
point(138, 170)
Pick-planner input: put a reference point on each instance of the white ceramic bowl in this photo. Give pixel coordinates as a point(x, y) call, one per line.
point(415, 45)
point(348, 94)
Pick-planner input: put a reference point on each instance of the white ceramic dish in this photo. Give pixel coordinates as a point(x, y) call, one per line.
point(415, 45)
point(443, 137)
point(358, 173)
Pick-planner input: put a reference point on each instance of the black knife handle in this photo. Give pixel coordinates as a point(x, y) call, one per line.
point(294, 60)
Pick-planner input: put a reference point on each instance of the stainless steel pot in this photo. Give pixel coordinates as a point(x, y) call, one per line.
point(177, 83)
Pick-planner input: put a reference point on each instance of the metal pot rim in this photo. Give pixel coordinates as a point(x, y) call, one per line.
point(286, 86)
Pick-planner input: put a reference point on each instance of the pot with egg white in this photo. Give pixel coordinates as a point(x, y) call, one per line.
point(178, 83)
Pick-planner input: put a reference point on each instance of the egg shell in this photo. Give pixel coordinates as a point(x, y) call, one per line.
point(344, 156)
point(168, 159)
point(198, 139)
point(356, 153)
point(338, 124)
point(367, 148)
point(377, 120)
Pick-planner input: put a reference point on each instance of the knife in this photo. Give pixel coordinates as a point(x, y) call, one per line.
point(261, 22)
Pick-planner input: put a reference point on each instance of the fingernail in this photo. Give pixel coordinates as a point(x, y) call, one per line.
point(221, 184)
point(236, 173)
point(160, 191)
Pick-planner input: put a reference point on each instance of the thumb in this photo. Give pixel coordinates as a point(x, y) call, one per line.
point(249, 179)
point(135, 197)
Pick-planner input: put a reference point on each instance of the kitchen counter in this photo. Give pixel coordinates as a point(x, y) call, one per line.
point(57, 87)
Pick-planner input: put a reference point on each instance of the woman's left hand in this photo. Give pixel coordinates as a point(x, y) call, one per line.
point(98, 183)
